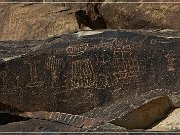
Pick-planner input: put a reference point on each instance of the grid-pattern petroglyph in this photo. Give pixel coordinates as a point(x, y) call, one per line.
point(82, 74)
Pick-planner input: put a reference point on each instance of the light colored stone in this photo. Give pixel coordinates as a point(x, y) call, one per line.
point(170, 123)
point(175, 101)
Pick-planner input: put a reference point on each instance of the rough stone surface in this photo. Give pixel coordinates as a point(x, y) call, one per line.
point(120, 71)
point(24, 0)
point(170, 123)
point(36, 125)
point(175, 100)
point(36, 21)
point(107, 127)
point(141, 15)
point(67, 119)
point(32, 21)
point(128, 78)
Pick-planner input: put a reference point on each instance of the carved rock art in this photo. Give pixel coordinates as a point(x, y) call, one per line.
point(68, 119)
point(105, 75)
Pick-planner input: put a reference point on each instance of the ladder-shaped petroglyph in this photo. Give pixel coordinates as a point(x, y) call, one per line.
point(65, 118)
point(55, 65)
point(34, 78)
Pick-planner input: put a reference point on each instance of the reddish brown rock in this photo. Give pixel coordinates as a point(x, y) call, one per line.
point(30, 21)
point(141, 15)
point(36, 21)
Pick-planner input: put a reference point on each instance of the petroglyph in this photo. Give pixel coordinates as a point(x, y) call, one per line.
point(107, 44)
point(82, 74)
point(68, 119)
point(172, 61)
point(73, 74)
point(55, 65)
point(77, 49)
point(34, 82)
point(164, 41)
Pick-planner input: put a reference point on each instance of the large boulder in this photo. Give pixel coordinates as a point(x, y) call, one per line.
point(141, 15)
point(75, 73)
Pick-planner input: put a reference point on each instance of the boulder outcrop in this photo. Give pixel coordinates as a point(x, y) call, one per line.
point(141, 15)
point(76, 73)
point(36, 21)
point(55, 80)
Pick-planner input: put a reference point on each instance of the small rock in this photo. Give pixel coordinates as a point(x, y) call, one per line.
point(175, 100)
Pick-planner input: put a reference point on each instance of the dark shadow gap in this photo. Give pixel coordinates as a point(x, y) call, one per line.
point(6, 118)
point(85, 20)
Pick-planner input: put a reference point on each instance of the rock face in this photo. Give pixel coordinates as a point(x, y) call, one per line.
point(30, 21)
point(41, 21)
point(36, 125)
point(74, 73)
point(22, 0)
point(90, 81)
point(36, 21)
point(141, 15)
point(67, 119)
